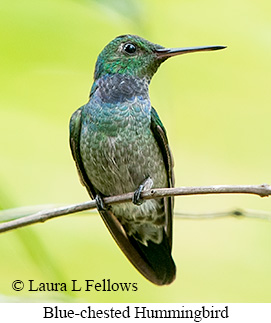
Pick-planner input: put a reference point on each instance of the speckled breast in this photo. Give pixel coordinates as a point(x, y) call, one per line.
point(118, 148)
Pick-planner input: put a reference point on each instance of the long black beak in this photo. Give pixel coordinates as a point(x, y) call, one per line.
point(169, 52)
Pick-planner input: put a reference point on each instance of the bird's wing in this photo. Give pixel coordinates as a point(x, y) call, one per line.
point(75, 131)
point(160, 135)
point(117, 231)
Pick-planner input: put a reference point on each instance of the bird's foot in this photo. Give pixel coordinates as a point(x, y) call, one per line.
point(100, 203)
point(144, 186)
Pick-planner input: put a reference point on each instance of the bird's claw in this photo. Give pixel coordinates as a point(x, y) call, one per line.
point(100, 203)
point(145, 185)
point(137, 200)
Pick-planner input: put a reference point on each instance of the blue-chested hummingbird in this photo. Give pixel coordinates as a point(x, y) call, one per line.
point(120, 145)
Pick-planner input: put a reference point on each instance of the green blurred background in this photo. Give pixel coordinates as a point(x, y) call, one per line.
point(215, 106)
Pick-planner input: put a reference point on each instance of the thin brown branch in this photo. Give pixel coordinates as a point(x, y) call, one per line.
point(236, 213)
point(42, 216)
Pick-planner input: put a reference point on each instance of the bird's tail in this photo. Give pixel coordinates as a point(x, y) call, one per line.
point(153, 260)
point(158, 257)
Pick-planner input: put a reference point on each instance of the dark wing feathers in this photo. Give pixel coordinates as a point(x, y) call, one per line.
point(75, 130)
point(160, 135)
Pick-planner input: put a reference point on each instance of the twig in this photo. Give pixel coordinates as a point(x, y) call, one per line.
point(42, 216)
point(237, 213)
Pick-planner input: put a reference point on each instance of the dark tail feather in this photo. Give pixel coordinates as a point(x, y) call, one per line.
point(153, 261)
point(159, 258)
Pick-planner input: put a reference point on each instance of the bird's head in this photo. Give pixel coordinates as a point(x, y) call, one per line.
point(136, 56)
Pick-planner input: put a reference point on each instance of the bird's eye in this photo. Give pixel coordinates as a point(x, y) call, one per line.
point(129, 48)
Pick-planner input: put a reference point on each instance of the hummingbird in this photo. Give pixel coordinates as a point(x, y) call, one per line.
point(120, 145)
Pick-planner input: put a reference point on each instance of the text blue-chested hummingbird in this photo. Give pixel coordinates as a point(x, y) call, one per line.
point(120, 145)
